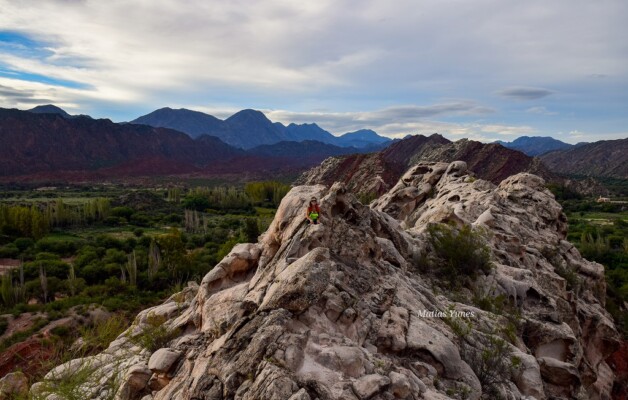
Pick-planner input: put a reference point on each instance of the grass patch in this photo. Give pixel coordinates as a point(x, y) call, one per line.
point(154, 335)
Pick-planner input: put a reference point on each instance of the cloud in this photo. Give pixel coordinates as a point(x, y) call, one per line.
point(576, 133)
point(501, 129)
point(337, 121)
point(398, 121)
point(25, 94)
point(10, 95)
point(540, 110)
point(120, 60)
point(524, 93)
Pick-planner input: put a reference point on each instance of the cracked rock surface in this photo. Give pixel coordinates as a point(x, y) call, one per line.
point(338, 310)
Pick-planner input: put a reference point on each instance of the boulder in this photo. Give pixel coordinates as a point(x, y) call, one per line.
point(14, 384)
point(366, 386)
point(163, 360)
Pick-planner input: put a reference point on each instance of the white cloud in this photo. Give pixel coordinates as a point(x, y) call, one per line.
point(340, 56)
point(576, 134)
point(507, 130)
point(395, 122)
point(540, 110)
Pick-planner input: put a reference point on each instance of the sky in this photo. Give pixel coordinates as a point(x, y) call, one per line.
point(483, 69)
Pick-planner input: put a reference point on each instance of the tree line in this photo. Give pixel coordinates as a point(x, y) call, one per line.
point(35, 221)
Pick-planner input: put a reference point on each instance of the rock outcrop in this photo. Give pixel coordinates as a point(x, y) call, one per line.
point(353, 308)
point(376, 173)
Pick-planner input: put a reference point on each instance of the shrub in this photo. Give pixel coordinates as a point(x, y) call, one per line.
point(461, 253)
point(250, 231)
point(114, 304)
point(122, 212)
point(573, 280)
point(500, 305)
point(494, 304)
point(74, 386)
point(61, 331)
point(64, 248)
point(493, 363)
point(114, 221)
point(9, 251)
point(141, 219)
point(24, 243)
point(97, 337)
point(154, 335)
point(4, 324)
point(367, 198)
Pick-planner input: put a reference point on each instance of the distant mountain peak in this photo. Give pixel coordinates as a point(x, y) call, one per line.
point(50, 109)
point(169, 110)
point(362, 138)
point(248, 114)
point(249, 128)
point(535, 145)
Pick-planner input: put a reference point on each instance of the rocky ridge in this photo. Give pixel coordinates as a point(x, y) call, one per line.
point(345, 309)
point(376, 173)
point(605, 158)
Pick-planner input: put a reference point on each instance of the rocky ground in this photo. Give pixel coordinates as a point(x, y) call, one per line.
point(355, 308)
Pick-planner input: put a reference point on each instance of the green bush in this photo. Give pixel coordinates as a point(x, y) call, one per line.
point(4, 324)
point(155, 335)
point(494, 304)
point(9, 251)
point(493, 363)
point(96, 337)
point(114, 221)
point(461, 254)
point(24, 243)
point(250, 231)
point(141, 219)
point(64, 248)
point(122, 212)
point(61, 331)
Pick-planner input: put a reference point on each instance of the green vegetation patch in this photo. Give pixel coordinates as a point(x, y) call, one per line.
point(460, 254)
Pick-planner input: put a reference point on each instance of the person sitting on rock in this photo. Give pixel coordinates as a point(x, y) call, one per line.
point(313, 211)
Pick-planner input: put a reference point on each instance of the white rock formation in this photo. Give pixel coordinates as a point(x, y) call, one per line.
point(345, 309)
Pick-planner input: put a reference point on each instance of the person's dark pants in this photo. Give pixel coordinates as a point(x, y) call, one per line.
point(315, 222)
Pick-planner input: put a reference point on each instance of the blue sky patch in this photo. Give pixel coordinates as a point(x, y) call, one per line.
point(23, 46)
point(29, 77)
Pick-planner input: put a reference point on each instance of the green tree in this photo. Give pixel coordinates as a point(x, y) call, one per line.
point(154, 259)
point(173, 252)
point(251, 230)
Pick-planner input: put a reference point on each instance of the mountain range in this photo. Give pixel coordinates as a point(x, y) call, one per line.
point(36, 143)
point(50, 145)
point(375, 173)
point(52, 109)
point(249, 128)
point(46, 143)
point(536, 145)
point(605, 158)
